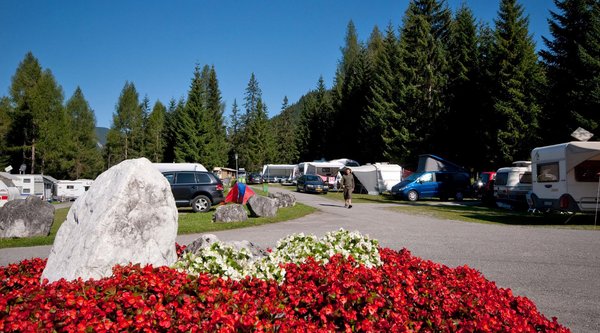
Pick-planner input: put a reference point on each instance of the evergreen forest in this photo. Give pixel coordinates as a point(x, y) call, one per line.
point(442, 83)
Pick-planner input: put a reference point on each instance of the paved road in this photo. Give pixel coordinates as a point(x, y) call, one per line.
point(558, 269)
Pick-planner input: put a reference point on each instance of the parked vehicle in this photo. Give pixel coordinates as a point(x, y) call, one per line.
point(8, 190)
point(66, 190)
point(198, 189)
point(254, 178)
point(483, 188)
point(433, 184)
point(311, 183)
point(435, 178)
point(279, 173)
point(41, 186)
point(512, 185)
point(565, 177)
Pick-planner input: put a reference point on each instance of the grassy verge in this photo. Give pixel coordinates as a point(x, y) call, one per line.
point(479, 214)
point(189, 223)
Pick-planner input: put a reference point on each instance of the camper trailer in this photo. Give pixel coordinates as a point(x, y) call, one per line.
point(279, 173)
point(377, 178)
point(512, 185)
point(327, 170)
point(565, 177)
point(8, 190)
point(66, 190)
point(164, 167)
point(41, 186)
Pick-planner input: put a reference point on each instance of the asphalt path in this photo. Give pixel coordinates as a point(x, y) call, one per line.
point(558, 269)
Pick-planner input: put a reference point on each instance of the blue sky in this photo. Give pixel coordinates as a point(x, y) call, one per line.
point(99, 45)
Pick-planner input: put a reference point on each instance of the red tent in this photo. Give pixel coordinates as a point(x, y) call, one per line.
point(239, 193)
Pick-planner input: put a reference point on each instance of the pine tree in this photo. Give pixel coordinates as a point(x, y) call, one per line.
point(21, 133)
point(424, 71)
point(155, 131)
point(351, 92)
point(216, 147)
point(189, 124)
point(317, 118)
point(85, 158)
point(518, 79)
point(285, 134)
point(383, 122)
point(50, 129)
point(257, 142)
point(573, 69)
point(170, 129)
point(5, 122)
point(464, 113)
point(234, 132)
point(125, 137)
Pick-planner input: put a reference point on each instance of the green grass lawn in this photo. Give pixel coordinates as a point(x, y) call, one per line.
point(480, 214)
point(189, 223)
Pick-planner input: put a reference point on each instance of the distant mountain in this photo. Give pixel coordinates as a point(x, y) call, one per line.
point(101, 133)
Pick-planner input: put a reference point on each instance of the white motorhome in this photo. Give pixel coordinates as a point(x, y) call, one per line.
point(66, 190)
point(279, 172)
point(512, 185)
point(378, 178)
point(565, 177)
point(164, 167)
point(41, 186)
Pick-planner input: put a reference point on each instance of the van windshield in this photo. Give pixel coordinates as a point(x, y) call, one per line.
point(414, 176)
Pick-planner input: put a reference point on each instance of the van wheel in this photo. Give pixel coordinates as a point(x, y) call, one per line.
point(459, 196)
point(201, 204)
point(412, 195)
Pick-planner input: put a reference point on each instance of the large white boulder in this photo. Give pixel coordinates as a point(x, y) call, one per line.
point(127, 216)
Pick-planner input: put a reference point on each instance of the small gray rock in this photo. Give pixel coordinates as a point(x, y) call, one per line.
point(260, 206)
point(230, 213)
point(283, 199)
point(26, 218)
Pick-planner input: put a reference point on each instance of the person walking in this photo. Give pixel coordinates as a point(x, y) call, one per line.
point(347, 183)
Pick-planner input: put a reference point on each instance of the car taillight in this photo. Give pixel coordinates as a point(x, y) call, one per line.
point(4, 197)
point(219, 187)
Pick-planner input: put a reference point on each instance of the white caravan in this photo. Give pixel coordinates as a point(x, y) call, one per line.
point(378, 178)
point(41, 186)
point(275, 173)
point(327, 170)
point(8, 190)
point(164, 167)
point(512, 185)
point(565, 177)
point(66, 190)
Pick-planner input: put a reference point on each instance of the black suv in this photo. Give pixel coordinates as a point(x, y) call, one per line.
point(198, 189)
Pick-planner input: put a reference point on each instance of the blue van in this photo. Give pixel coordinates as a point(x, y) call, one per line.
point(435, 178)
point(433, 184)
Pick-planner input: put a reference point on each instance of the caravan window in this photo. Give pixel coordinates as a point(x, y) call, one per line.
point(547, 172)
point(525, 178)
point(501, 178)
point(587, 171)
point(70, 187)
point(26, 180)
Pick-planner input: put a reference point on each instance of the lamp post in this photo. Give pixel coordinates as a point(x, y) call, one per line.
point(236, 167)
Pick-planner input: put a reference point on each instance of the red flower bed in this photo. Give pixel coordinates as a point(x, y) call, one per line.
point(406, 294)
